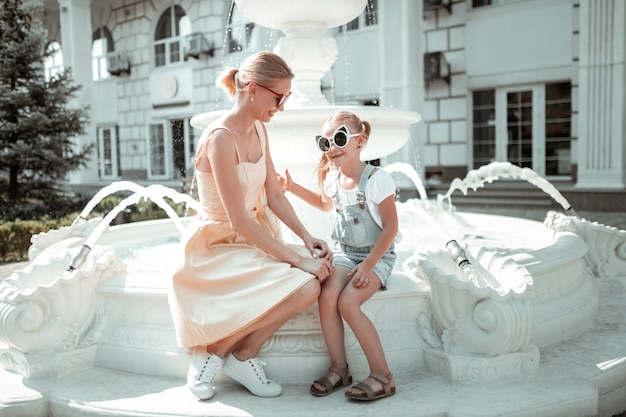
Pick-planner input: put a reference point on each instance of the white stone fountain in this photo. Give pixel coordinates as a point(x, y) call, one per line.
point(483, 315)
point(310, 54)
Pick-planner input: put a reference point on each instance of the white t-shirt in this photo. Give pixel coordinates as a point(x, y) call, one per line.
point(379, 186)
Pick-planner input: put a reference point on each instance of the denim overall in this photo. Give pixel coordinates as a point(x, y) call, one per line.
point(356, 231)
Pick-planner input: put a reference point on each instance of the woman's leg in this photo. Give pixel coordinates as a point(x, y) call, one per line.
point(246, 343)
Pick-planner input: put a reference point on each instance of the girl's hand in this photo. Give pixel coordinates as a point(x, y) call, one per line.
point(362, 275)
point(285, 180)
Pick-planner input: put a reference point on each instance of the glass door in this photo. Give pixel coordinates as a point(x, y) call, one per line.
point(529, 126)
point(518, 139)
point(183, 147)
point(159, 155)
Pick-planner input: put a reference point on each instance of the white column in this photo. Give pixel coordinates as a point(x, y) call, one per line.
point(602, 95)
point(76, 34)
point(402, 74)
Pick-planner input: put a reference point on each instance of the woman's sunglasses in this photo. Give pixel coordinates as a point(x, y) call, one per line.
point(280, 98)
point(340, 139)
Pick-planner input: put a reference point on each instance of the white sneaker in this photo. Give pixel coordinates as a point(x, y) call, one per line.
point(251, 375)
point(201, 374)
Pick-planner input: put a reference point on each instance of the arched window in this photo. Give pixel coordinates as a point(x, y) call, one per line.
point(53, 63)
point(238, 30)
point(102, 44)
point(171, 29)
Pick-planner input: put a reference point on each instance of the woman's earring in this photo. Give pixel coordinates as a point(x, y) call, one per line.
point(251, 98)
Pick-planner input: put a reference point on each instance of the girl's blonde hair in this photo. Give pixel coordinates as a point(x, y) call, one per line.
point(354, 124)
point(263, 68)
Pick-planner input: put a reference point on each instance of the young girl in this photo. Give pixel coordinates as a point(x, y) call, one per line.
point(365, 228)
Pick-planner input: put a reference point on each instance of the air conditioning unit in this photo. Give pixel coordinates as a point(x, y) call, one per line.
point(436, 67)
point(430, 5)
point(118, 63)
point(196, 45)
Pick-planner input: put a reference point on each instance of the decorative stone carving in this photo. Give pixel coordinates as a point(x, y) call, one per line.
point(606, 254)
point(47, 311)
point(483, 319)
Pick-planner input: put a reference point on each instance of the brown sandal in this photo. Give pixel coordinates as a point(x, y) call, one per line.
point(346, 379)
point(368, 393)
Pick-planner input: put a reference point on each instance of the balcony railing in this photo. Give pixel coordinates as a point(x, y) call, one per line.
point(118, 63)
point(196, 45)
point(436, 67)
point(430, 5)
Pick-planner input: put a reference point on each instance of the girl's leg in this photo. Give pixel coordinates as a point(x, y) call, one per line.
point(332, 323)
point(349, 304)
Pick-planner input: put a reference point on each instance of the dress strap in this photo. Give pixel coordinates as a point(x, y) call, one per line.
point(261, 132)
point(205, 140)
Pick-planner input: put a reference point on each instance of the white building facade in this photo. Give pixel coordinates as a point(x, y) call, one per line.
point(539, 83)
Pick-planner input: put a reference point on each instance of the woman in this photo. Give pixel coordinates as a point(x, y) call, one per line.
point(238, 282)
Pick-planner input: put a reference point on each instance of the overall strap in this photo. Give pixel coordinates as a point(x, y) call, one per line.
point(365, 175)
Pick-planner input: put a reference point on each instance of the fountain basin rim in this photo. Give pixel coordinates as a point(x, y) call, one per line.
point(290, 115)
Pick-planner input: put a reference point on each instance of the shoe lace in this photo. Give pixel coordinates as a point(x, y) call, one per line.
point(257, 365)
point(209, 370)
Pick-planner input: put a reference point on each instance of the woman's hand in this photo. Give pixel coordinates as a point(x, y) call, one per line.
point(318, 248)
point(319, 267)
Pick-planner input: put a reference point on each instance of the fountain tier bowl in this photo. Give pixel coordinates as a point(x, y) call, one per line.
point(292, 132)
point(308, 17)
point(137, 333)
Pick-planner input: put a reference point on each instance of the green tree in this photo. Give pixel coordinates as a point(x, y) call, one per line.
point(36, 121)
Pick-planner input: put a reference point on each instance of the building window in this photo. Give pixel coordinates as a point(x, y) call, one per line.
point(53, 64)
point(183, 147)
point(484, 127)
point(529, 126)
point(108, 152)
point(238, 30)
point(369, 17)
point(520, 122)
point(171, 29)
point(171, 147)
point(558, 129)
point(101, 46)
point(157, 152)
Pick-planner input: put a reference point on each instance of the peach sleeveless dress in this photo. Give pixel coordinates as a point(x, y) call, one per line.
point(223, 283)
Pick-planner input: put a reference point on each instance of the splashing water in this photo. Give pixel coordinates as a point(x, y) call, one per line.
point(456, 251)
point(411, 173)
point(105, 192)
point(477, 178)
point(154, 192)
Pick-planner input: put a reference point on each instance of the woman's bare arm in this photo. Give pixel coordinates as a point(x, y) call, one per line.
point(222, 158)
